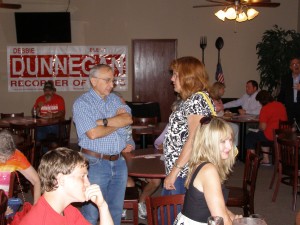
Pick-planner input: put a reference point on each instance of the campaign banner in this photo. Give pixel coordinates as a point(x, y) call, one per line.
point(29, 67)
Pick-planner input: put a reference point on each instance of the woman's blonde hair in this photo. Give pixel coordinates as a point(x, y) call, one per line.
point(206, 147)
point(214, 91)
point(191, 74)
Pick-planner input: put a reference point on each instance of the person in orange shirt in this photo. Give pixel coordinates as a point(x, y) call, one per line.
point(11, 159)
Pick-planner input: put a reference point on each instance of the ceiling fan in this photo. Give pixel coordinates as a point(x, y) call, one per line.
point(240, 3)
point(239, 10)
point(9, 5)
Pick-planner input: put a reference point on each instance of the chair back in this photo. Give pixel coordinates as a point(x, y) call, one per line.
point(145, 121)
point(8, 115)
point(145, 109)
point(250, 173)
point(24, 136)
point(166, 206)
point(288, 155)
point(285, 125)
point(65, 132)
point(3, 207)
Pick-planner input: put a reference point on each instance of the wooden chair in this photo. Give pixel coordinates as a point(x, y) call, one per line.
point(283, 125)
point(24, 136)
point(62, 139)
point(244, 196)
point(8, 115)
point(3, 207)
point(288, 168)
point(163, 205)
point(65, 132)
point(131, 203)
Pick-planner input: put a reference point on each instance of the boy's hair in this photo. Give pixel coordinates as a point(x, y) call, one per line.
point(206, 148)
point(61, 160)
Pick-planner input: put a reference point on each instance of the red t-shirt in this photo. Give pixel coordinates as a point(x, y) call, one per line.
point(270, 114)
point(43, 214)
point(56, 104)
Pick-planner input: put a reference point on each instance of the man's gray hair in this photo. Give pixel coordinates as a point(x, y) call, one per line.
point(98, 67)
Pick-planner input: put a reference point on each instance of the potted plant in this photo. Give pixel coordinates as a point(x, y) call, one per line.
point(274, 52)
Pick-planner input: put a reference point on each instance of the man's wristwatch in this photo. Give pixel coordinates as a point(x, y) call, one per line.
point(105, 122)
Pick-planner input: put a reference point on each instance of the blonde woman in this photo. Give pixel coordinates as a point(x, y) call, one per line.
point(211, 161)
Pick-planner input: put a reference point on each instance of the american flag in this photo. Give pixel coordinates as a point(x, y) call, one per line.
point(219, 74)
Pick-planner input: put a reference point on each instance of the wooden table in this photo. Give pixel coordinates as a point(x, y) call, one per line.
point(29, 121)
point(145, 163)
point(242, 120)
point(142, 131)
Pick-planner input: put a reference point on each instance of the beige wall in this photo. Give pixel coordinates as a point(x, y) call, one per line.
point(98, 22)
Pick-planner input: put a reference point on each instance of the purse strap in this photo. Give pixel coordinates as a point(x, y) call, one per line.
point(209, 102)
point(20, 186)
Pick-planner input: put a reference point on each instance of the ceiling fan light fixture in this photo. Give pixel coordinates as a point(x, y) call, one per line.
point(241, 17)
point(252, 13)
point(230, 13)
point(221, 15)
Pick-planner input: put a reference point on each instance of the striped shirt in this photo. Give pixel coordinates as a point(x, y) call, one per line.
point(89, 108)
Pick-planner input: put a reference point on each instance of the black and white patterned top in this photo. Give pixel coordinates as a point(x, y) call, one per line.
point(178, 133)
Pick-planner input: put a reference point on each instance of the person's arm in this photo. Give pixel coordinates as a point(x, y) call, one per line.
point(94, 194)
point(234, 103)
point(208, 179)
point(193, 122)
point(31, 175)
point(122, 119)
point(160, 140)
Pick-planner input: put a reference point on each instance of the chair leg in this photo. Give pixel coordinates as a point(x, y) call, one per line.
point(279, 177)
point(246, 211)
point(273, 176)
point(295, 192)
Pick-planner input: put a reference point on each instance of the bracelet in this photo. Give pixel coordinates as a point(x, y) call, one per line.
point(177, 166)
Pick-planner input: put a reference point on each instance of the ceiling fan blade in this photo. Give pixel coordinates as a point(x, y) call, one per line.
point(10, 6)
point(211, 5)
point(263, 4)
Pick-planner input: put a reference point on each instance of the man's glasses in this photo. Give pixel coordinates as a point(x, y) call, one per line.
point(205, 120)
point(295, 64)
point(107, 80)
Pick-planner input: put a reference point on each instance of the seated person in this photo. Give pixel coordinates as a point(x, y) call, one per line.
point(64, 178)
point(211, 161)
point(49, 105)
point(248, 102)
point(270, 114)
point(12, 160)
point(216, 92)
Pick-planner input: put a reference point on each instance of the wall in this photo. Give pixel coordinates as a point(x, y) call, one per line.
point(98, 22)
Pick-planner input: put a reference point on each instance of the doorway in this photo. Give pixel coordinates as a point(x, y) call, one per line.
point(151, 76)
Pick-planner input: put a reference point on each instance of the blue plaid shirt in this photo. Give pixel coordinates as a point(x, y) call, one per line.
point(89, 108)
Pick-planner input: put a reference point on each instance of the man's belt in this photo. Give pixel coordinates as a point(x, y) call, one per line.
point(100, 156)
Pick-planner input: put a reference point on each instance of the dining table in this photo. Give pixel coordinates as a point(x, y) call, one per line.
point(142, 131)
point(242, 121)
point(29, 121)
point(145, 163)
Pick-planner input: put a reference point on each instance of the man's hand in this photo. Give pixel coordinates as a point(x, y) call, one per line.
point(120, 111)
point(94, 194)
point(128, 148)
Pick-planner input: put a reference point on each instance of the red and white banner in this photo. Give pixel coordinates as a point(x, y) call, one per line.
point(29, 67)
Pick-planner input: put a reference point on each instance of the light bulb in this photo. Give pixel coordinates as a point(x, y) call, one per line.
point(241, 17)
point(252, 13)
point(230, 13)
point(220, 14)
